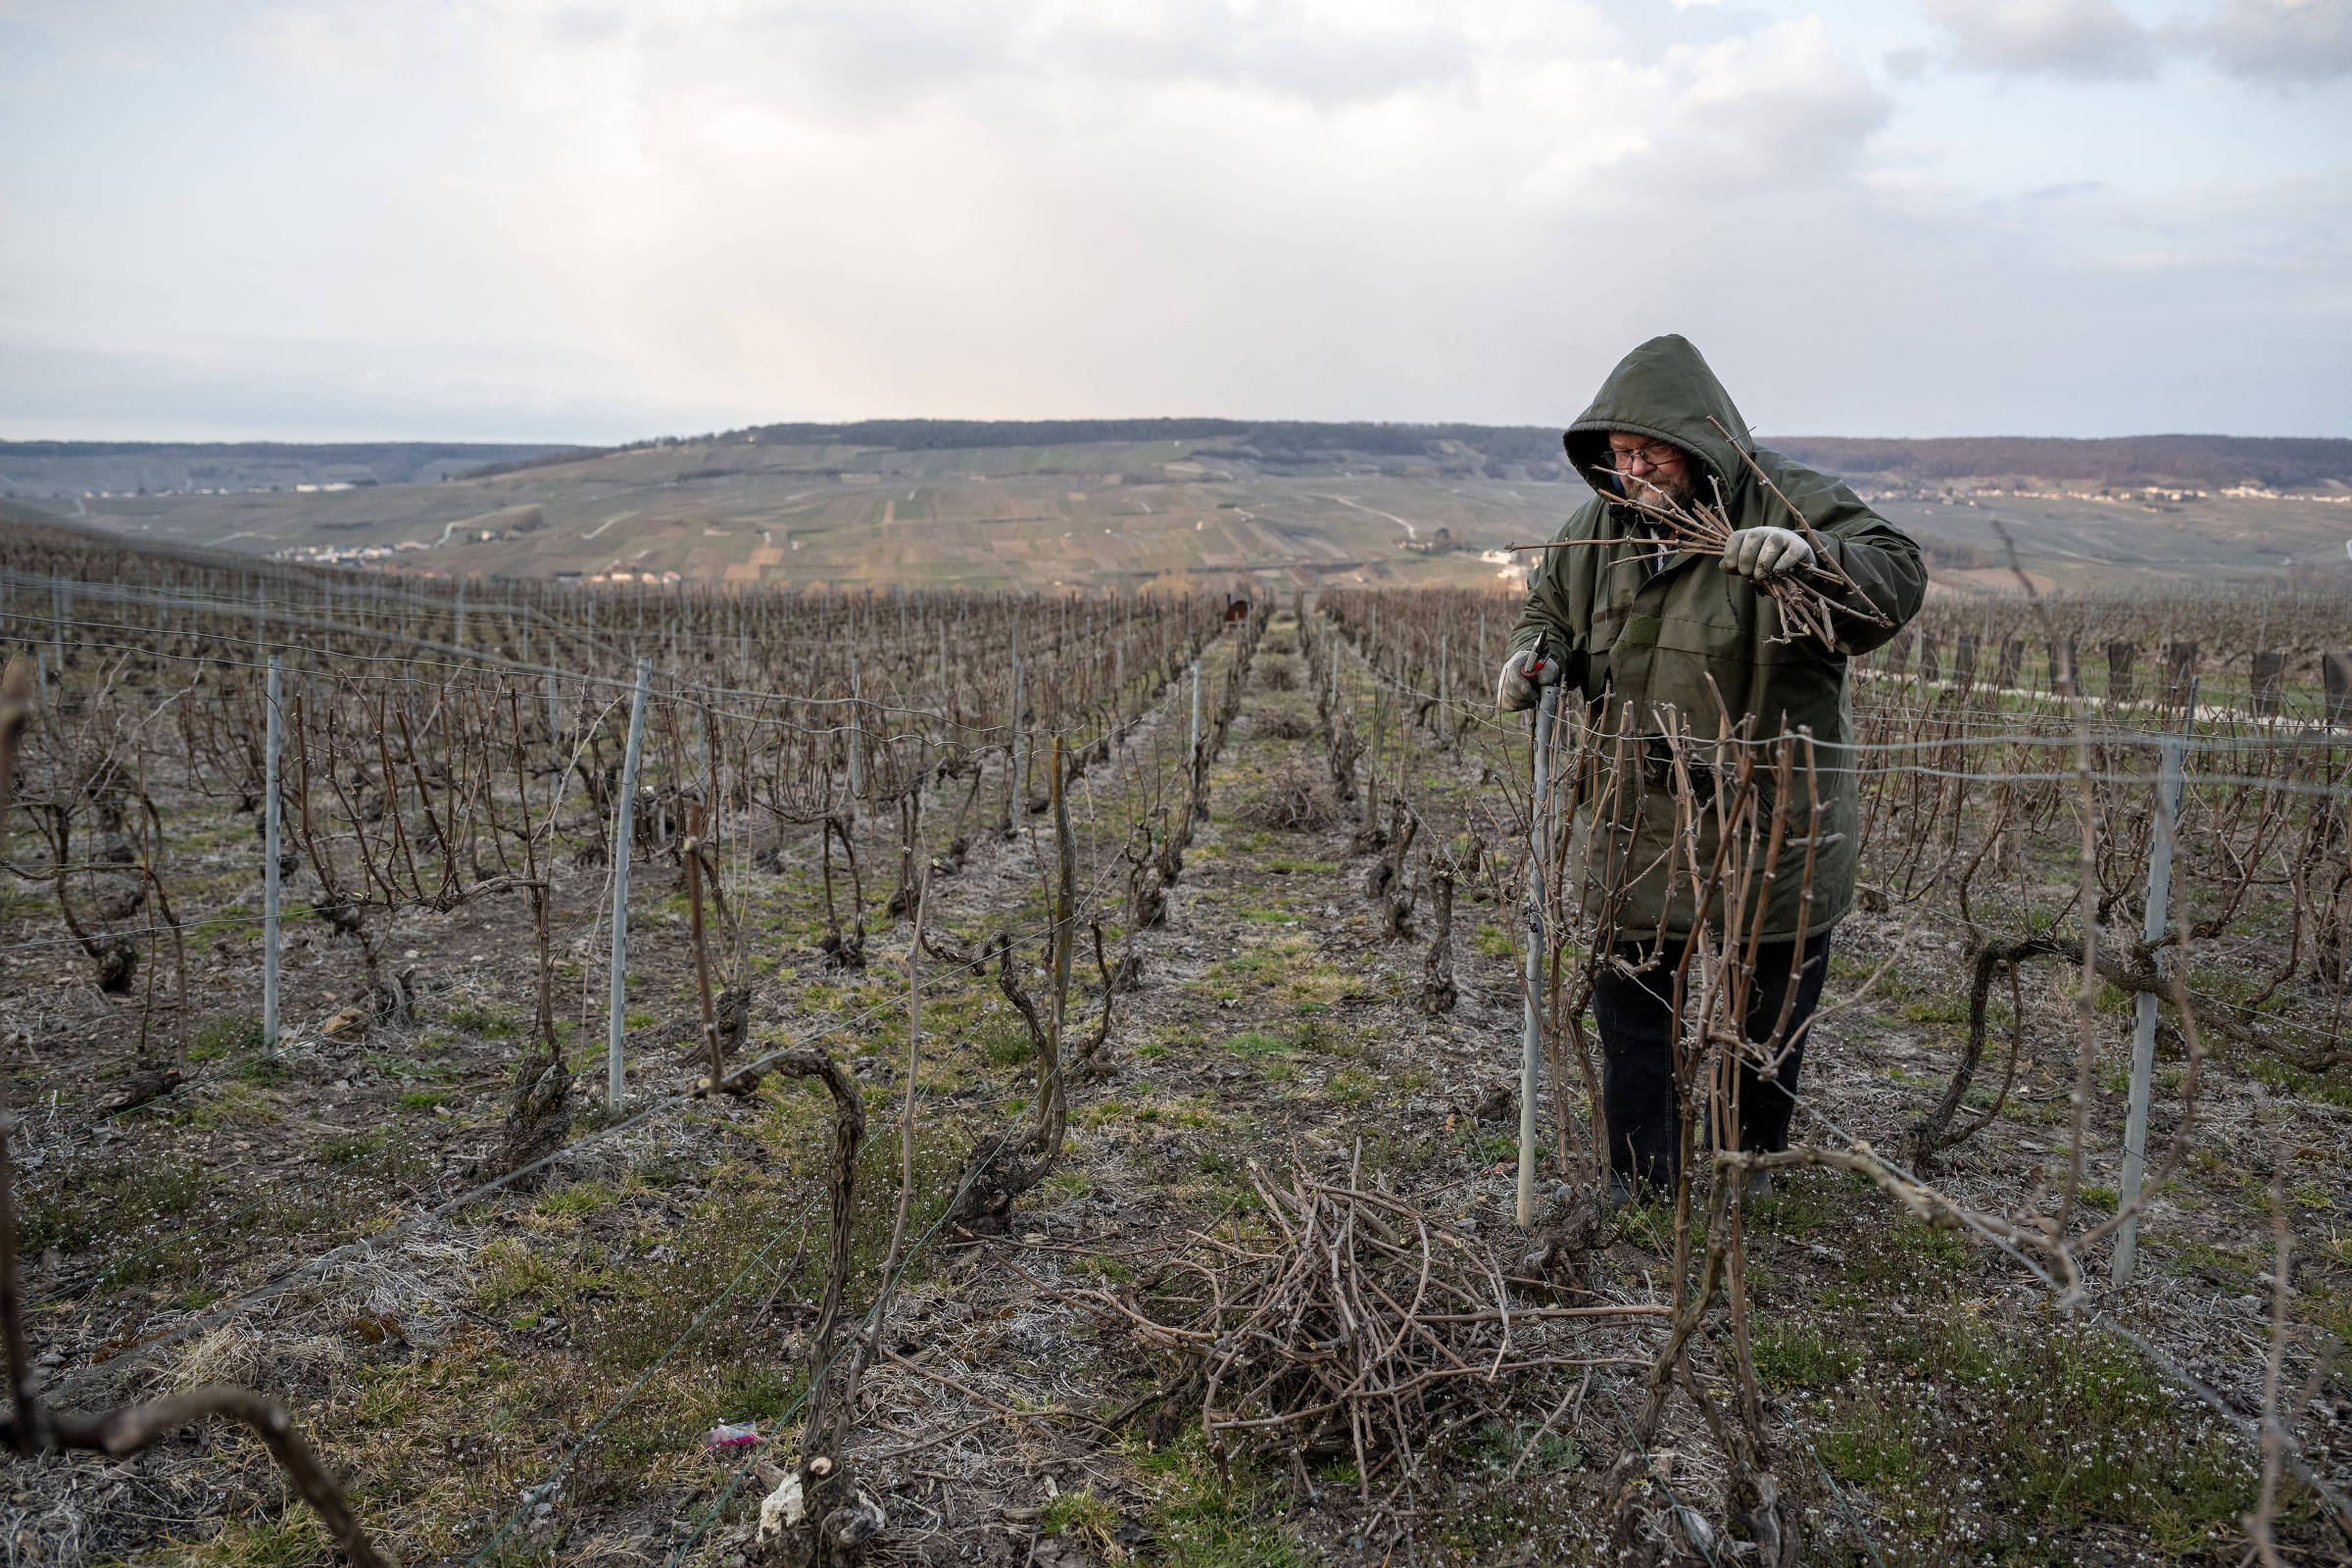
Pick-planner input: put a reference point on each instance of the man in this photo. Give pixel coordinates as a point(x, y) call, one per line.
point(1636, 631)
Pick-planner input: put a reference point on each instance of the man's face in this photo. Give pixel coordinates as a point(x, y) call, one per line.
point(1658, 472)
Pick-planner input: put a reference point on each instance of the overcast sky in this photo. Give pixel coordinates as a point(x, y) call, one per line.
point(527, 219)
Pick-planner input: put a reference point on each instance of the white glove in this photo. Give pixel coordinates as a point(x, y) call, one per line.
point(1762, 553)
point(1514, 690)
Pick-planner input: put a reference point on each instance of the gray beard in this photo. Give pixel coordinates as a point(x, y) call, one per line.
point(1651, 493)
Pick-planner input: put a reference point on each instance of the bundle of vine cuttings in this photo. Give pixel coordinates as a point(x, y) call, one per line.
point(1812, 598)
point(1351, 1325)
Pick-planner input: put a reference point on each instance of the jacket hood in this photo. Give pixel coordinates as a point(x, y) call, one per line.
point(1664, 390)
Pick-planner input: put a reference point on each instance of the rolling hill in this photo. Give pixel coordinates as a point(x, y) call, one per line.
point(1102, 501)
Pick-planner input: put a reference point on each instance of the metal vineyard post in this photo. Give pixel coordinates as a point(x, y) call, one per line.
point(1530, 1045)
point(623, 832)
point(272, 827)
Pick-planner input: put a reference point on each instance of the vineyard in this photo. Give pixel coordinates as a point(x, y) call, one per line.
point(506, 1074)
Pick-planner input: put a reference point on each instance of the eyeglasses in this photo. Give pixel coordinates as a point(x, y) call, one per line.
point(1657, 454)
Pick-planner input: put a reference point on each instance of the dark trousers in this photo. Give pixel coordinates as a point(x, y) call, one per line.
point(1634, 1015)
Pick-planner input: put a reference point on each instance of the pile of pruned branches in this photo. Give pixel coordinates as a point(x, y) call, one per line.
point(1352, 1326)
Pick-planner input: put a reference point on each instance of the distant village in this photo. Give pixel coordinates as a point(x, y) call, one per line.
point(401, 559)
point(2144, 495)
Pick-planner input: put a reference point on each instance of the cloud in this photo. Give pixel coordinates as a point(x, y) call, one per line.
point(315, 390)
point(2280, 43)
point(2083, 40)
point(583, 219)
point(1282, 48)
point(1782, 105)
point(328, 43)
point(2064, 190)
point(1743, 117)
point(1909, 63)
point(2277, 42)
point(881, 59)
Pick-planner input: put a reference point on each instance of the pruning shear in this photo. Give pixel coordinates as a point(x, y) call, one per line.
point(1574, 665)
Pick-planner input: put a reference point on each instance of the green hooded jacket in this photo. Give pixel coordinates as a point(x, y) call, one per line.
point(1638, 642)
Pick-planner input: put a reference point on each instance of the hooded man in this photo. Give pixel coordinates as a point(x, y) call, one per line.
point(1656, 640)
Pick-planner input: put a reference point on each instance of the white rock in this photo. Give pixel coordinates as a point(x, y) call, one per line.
point(782, 1509)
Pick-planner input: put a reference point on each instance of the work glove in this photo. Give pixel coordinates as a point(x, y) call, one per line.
point(1765, 553)
point(1515, 690)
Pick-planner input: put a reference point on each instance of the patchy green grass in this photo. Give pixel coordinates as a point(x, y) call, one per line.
point(1976, 1435)
point(1101, 1266)
point(234, 1103)
point(1936, 1010)
point(295, 1536)
point(1206, 1520)
point(605, 1304)
point(489, 1021)
point(1003, 1038)
point(235, 1036)
point(83, 1207)
point(1391, 1145)
point(349, 1148)
point(1064, 1186)
point(2330, 1088)
point(1911, 1257)
point(1084, 1518)
point(1797, 1206)
point(1259, 1043)
point(2192, 1257)
point(1793, 1354)
point(1499, 1445)
point(509, 1270)
point(581, 1198)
